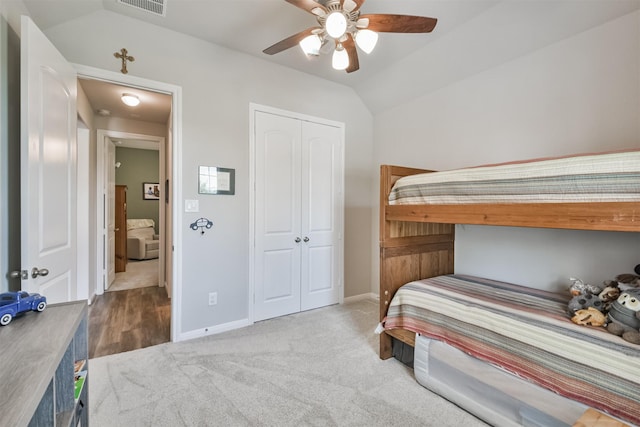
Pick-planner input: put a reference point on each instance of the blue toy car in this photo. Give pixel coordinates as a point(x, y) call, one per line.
point(15, 303)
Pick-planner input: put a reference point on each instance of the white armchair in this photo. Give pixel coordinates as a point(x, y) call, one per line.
point(142, 242)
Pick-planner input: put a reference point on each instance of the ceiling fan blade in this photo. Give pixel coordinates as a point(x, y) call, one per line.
point(289, 41)
point(350, 47)
point(386, 23)
point(310, 6)
point(351, 5)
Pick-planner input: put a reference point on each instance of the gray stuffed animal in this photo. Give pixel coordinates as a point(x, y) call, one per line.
point(584, 301)
point(624, 316)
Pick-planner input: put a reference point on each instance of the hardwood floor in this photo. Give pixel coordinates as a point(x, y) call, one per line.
point(128, 320)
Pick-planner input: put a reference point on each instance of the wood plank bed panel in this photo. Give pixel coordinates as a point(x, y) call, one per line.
point(409, 250)
point(608, 216)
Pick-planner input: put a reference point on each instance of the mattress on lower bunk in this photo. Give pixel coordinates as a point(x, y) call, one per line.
point(488, 392)
point(526, 332)
point(610, 177)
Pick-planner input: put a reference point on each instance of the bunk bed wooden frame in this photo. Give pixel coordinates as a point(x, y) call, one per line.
point(417, 241)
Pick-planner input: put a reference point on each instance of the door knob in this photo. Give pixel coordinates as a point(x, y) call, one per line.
point(297, 240)
point(19, 274)
point(35, 272)
point(306, 239)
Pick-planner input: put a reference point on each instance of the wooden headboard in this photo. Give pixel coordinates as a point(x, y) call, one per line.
point(409, 250)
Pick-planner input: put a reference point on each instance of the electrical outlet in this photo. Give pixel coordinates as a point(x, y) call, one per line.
point(213, 298)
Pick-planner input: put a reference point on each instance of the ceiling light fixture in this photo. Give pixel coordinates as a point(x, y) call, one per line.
point(340, 59)
point(366, 40)
point(311, 45)
point(130, 100)
point(342, 26)
point(336, 24)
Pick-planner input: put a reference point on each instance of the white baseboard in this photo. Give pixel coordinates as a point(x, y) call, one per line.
point(361, 297)
point(212, 330)
point(225, 327)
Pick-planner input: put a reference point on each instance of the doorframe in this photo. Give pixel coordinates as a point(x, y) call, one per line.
point(174, 173)
point(253, 108)
point(104, 138)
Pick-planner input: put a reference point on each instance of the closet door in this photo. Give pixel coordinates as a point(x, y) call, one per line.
point(298, 215)
point(277, 216)
point(321, 177)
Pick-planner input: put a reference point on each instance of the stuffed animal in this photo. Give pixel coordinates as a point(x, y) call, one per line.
point(583, 297)
point(624, 316)
point(590, 317)
point(584, 301)
point(608, 295)
point(578, 287)
point(627, 281)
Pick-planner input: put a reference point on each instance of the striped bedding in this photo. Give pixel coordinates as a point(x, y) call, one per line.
point(610, 177)
point(527, 332)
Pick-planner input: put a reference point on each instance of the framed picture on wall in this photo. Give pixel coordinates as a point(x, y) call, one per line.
point(150, 191)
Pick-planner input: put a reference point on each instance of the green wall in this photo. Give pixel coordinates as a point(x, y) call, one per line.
point(137, 167)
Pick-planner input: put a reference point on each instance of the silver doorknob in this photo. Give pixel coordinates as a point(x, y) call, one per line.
point(306, 239)
point(297, 240)
point(35, 272)
point(19, 274)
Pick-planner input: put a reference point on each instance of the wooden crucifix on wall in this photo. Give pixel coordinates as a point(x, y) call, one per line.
point(124, 55)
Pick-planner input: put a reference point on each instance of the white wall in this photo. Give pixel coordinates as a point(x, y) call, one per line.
point(217, 86)
point(578, 95)
point(86, 198)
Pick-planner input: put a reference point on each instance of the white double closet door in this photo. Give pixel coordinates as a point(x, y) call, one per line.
point(298, 215)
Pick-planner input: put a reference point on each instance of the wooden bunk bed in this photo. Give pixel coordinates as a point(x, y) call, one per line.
point(417, 241)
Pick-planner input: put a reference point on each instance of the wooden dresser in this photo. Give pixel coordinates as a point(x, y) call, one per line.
point(38, 352)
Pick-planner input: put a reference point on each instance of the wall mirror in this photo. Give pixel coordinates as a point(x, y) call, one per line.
point(215, 180)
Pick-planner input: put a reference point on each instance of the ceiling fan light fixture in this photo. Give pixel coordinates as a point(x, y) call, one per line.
point(366, 40)
point(340, 59)
point(310, 45)
point(336, 24)
point(130, 99)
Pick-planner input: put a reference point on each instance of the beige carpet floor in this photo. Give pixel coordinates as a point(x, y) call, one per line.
point(316, 368)
point(139, 274)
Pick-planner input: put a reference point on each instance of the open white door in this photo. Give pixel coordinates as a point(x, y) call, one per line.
point(48, 168)
point(111, 211)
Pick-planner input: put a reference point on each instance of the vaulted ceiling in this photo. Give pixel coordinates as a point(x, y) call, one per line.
point(470, 37)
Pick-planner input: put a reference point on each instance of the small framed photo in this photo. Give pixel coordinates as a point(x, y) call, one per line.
point(150, 191)
point(214, 180)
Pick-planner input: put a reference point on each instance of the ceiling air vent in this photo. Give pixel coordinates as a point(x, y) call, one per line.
point(157, 7)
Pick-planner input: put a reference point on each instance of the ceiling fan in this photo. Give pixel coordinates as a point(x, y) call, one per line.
point(342, 27)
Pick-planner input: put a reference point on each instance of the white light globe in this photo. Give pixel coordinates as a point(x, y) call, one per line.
point(310, 45)
point(366, 40)
point(130, 100)
point(336, 24)
point(340, 59)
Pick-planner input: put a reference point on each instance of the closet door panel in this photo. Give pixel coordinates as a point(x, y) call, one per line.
point(277, 261)
point(321, 186)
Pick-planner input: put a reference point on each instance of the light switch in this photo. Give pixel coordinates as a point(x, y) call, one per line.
point(191, 206)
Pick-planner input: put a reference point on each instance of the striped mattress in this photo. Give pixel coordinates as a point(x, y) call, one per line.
point(610, 177)
point(526, 332)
